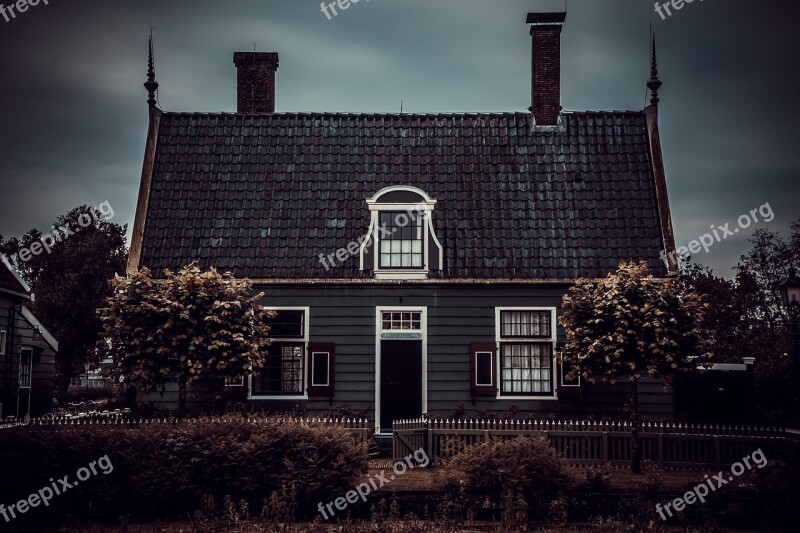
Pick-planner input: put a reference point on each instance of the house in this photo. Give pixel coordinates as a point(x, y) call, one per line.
point(27, 351)
point(416, 261)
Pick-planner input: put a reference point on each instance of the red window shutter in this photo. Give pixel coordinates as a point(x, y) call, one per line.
point(483, 368)
point(566, 387)
point(321, 369)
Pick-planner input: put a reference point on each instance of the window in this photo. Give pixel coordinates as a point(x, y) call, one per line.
point(526, 338)
point(526, 368)
point(401, 242)
point(401, 320)
point(25, 364)
point(3, 341)
point(525, 324)
point(284, 372)
point(287, 324)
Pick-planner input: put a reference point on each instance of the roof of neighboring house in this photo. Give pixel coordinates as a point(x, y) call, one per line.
point(11, 281)
point(38, 325)
point(263, 195)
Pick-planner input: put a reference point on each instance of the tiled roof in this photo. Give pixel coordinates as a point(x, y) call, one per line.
point(264, 195)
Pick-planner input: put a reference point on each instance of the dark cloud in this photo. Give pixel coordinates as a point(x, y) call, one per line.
point(75, 118)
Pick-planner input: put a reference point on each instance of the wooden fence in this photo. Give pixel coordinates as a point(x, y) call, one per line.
point(595, 443)
point(359, 428)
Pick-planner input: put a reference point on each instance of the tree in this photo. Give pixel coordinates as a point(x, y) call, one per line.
point(633, 326)
point(187, 328)
point(68, 270)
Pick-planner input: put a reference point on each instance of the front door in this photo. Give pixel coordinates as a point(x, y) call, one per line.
point(401, 381)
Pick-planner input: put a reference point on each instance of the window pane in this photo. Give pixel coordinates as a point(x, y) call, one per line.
point(401, 242)
point(287, 325)
point(401, 321)
point(525, 368)
point(525, 324)
point(283, 371)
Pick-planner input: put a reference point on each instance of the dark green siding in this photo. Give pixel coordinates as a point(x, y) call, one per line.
point(457, 315)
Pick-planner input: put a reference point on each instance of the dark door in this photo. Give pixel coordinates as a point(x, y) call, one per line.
point(401, 381)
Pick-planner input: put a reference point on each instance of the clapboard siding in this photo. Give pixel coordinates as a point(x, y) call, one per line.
point(22, 335)
point(457, 315)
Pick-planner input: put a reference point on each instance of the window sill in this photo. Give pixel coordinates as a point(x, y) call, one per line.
point(535, 398)
point(284, 397)
point(401, 274)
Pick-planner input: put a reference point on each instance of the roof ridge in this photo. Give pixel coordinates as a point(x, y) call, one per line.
point(340, 114)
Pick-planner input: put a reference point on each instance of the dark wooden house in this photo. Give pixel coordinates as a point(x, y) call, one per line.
point(27, 351)
point(416, 261)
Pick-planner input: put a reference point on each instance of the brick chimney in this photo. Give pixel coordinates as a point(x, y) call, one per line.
point(546, 66)
point(255, 78)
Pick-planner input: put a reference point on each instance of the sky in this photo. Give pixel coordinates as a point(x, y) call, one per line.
point(74, 113)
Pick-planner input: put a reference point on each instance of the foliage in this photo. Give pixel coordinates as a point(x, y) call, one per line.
point(749, 320)
point(632, 325)
point(192, 327)
point(71, 282)
point(525, 465)
point(164, 470)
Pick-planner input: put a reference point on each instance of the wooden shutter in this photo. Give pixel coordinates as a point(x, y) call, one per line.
point(483, 368)
point(321, 369)
point(565, 387)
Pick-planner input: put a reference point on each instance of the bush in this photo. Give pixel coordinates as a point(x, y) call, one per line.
point(164, 471)
point(526, 466)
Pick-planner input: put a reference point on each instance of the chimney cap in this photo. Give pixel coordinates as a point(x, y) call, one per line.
point(255, 59)
point(547, 19)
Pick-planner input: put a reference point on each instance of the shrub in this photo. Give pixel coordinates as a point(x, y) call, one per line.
point(165, 470)
point(524, 465)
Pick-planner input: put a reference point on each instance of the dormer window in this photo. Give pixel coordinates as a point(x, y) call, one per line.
point(401, 247)
point(401, 242)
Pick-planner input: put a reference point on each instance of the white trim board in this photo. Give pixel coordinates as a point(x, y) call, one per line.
point(36, 324)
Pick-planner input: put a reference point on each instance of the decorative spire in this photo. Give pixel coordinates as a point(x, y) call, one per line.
point(654, 84)
point(151, 84)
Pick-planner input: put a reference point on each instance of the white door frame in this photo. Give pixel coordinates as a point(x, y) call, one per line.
point(423, 331)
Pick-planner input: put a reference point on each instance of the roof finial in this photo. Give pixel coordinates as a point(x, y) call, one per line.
point(151, 84)
point(654, 84)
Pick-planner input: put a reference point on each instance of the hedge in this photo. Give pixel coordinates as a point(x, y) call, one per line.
point(164, 471)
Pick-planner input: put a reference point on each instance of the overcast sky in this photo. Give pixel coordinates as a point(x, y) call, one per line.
point(74, 116)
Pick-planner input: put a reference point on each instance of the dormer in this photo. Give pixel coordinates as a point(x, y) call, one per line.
point(401, 227)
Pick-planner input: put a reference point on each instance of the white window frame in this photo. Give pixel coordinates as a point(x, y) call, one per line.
point(304, 341)
point(3, 341)
point(491, 370)
point(561, 379)
point(423, 209)
point(538, 340)
point(22, 352)
point(423, 332)
point(327, 374)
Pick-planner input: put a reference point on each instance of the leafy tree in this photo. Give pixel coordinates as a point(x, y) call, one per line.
point(69, 276)
point(765, 266)
point(632, 326)
point(192, 327)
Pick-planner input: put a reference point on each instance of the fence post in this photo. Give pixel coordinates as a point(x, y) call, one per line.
point(605, 447)
point(717, 452)
point(660, 450)
point(429, 430)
